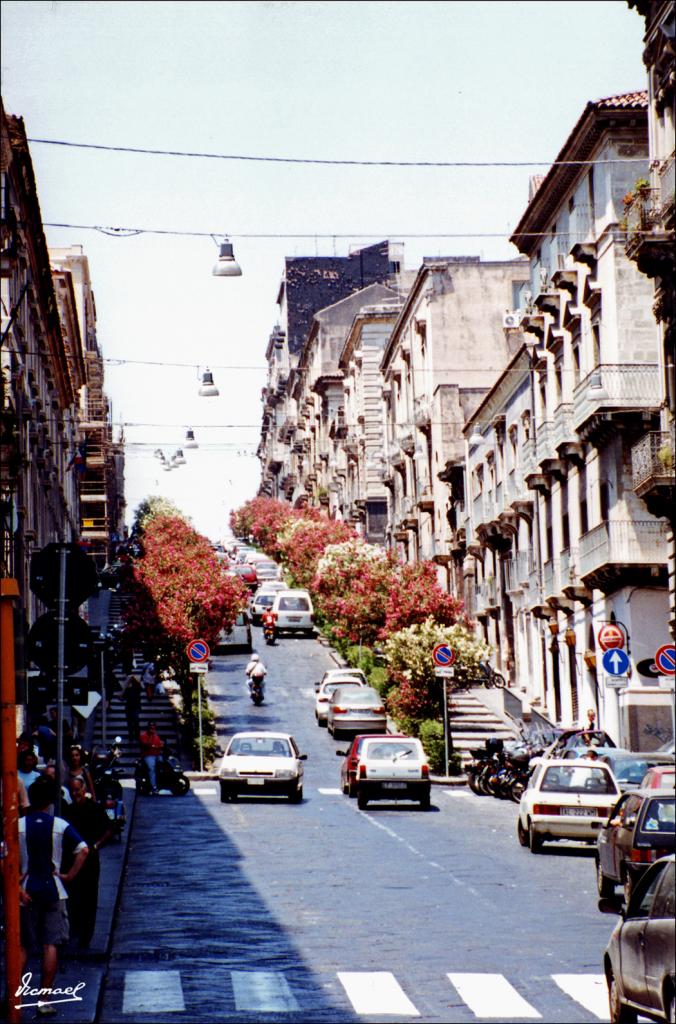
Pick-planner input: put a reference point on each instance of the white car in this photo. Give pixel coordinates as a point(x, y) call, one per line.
point(262, 764)
point(330, 682)
point(566, 800)
point(294, 612)
point(393, 768)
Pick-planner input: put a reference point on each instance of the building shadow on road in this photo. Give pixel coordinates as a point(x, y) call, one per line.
point(189, 908)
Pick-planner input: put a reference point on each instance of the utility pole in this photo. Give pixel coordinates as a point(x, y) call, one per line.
point(9, 591)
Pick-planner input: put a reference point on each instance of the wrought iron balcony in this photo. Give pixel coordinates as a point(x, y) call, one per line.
point(551, 578)
point(652, 460)
point(614, 390)
point(407, 440)
point(622, 553)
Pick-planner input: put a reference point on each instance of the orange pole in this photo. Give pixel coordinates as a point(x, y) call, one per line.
point(9, 591)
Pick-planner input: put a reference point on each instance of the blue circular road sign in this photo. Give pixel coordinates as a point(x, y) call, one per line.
point(616, 662)
point(198, 650)
point(443, 655)
point(665, 659)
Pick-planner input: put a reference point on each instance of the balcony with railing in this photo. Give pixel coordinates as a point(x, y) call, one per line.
point(406, 438)
point(652, 461)
point(486, 596)
point(544, 442)
point(480, 511)
point(649, 226)
point(623, 553)
point(422, 412)
point(551, 578)
point(614, 389)
point(517, 571)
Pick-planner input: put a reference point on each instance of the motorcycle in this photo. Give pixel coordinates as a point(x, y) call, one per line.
point(169, 775)
point(106, 776)
point(257, 691)
point(269, 634)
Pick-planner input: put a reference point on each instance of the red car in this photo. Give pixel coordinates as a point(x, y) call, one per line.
point(349, 767)
point(246, 573)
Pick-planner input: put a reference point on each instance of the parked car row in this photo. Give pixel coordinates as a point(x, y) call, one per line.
point(623, 802)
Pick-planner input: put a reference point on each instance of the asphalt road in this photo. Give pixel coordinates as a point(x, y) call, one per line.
point(266, 911)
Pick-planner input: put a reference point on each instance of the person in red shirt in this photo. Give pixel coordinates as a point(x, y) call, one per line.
point(269, 618)
point(151, 748)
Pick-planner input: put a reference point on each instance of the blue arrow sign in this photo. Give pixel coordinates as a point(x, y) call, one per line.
point(616, 662)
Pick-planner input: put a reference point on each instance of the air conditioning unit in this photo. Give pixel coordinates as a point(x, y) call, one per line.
point(512, 318)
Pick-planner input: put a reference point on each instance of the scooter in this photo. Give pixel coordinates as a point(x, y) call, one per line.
point(105, 776)
point(257, 691)
point(269, 634)
point(169, 775)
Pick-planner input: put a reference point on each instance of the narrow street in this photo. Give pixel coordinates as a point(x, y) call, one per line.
point(263, 910)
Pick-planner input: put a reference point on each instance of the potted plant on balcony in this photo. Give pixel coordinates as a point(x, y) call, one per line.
point(665, 457)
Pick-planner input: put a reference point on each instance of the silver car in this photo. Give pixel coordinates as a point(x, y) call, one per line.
point(327, 688)
point(355, 709)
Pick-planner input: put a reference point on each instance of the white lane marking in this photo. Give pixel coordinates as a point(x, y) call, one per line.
point(204, 790)
point(263, 992)
point(152, 992)
point(418, 853)
point(589, 990)
point(491, 995)
point(330, 792)
point(376, 992)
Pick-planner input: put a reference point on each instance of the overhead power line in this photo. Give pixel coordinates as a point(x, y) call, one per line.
point(131, 232)
point(326, 162)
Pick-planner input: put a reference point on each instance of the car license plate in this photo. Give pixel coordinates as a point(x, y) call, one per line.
point(582, 812)
point(256, 782)
point(294, 618)
point(394, 785)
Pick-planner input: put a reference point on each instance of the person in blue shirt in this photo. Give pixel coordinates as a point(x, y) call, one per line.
point(43, 841)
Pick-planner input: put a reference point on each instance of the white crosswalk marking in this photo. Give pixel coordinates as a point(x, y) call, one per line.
point(204, 791)
point(376, 992)
point(330, 792)
point(262, 992)
point(491, 995)
point(152, 992)
point(590, 990)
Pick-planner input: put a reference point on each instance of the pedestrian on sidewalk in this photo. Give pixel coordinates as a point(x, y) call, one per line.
point(151, 748)
point(131, 696)
point(43, 897)
point(77, 768)
point(93, 824)
point(27, 764)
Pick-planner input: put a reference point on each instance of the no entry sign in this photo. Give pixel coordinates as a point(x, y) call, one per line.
point(611, 636)
point(198, 650)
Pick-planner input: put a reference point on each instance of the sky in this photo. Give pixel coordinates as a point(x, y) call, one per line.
point(403, 81)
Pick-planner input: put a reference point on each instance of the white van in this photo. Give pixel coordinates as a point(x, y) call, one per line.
point(294, 611)
point(236, 638)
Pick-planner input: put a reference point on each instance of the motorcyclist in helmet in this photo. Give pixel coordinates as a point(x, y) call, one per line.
point(256, 671)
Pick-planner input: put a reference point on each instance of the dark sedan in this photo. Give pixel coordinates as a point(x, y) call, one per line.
point(638, 832)
point(639, 961)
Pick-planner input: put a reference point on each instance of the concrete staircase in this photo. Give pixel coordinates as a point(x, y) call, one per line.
point(472, 722)
point(160, 710)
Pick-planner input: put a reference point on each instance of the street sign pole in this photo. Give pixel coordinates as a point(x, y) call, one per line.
point(104, 723)
point(60, 673)
point(199, 715)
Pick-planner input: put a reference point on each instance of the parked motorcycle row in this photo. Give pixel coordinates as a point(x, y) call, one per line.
point(502, 769)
